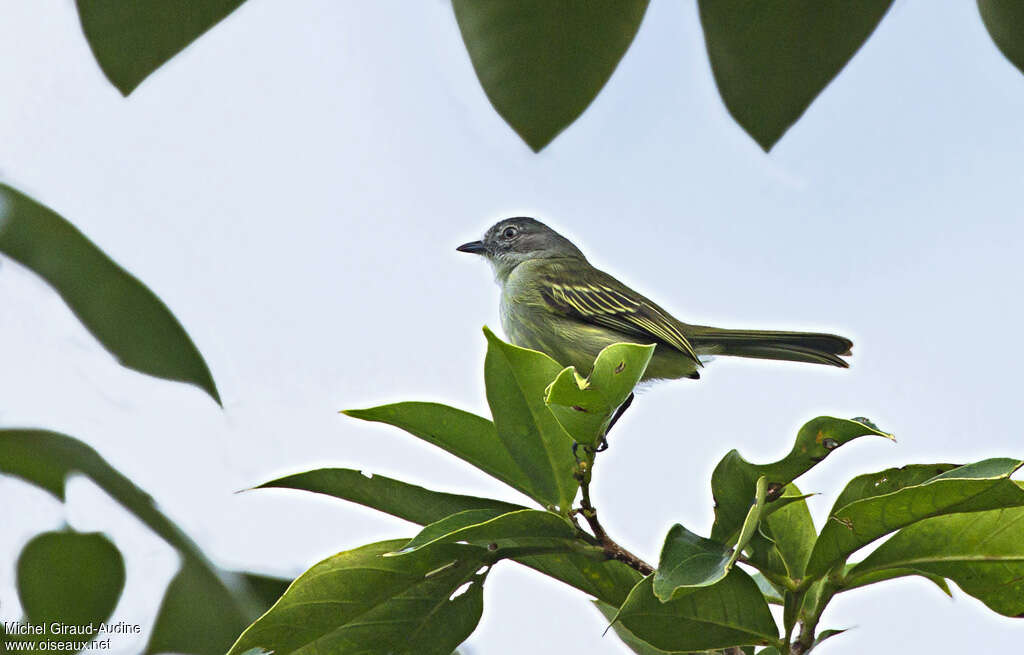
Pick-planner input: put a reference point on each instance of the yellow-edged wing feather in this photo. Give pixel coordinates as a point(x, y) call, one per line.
point(603, 300)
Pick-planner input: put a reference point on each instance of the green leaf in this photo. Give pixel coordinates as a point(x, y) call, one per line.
point(772, 58)
point(982, 552)
point(1004, 20)
point(771, 593)
point(130, 40)
point(863, 580)
point(585, 407)
point(542, 63)
point(609, 580)
point(467, 436)
point(70, 577)
point(127, 318)
point(516, 379)
point(688, 560)
point(791, 530)
point(46, 459)
point(734, 479)
point(971, 488)
point(730, 613)
point(827, 634)
point(634, 643)
point(361, 602)
point(486, 527)
point(401, 499)
point(198, 614)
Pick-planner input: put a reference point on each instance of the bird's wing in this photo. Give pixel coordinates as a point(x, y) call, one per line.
point(608, 303)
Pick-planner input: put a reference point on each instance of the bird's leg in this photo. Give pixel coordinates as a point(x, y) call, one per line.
point(603, 443)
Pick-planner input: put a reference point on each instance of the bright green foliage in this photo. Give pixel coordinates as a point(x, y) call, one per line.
point(983, 552)
point(584, 407)
point(610, 581)
point(730, 613)
point(70, 577)
point(130, 40)
point(972, 488)
point(771, 58)
point(688, 560)
point(733, 480)
point(125, 316)
point(481, 527)
point(516, 379)
point(467, 436)
point(1004, 20)
point(360, 601)
point(541, 63)
point(790, 530)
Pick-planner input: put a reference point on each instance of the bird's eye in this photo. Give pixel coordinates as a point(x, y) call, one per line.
point(510, 232)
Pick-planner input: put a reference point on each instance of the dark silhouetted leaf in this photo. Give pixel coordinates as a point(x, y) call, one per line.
point(46, 459)
point(971, 488)
point(126, 317)
point(130, 40)
point(71, 578)
point(771, 58)
point(1004, 20)
point(542, 63)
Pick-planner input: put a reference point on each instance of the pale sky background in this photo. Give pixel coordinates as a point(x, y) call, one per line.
point(293, 187)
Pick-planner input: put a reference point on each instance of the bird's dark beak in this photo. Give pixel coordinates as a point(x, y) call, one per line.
point(474, 247)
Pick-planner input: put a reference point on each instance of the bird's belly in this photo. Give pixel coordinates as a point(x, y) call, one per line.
point(573, 343)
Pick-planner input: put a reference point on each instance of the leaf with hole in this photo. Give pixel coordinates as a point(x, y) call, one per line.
point(734, 479)
point(585, 406)
point(362, 602)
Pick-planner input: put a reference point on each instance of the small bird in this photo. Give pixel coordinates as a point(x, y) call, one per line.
point(554, 301)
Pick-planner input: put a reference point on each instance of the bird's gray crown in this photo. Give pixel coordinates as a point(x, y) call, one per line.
point(512, 241)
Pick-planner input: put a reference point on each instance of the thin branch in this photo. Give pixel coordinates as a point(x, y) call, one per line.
point(611, 549)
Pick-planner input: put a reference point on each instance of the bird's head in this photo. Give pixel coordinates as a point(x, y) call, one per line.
point(513, 241)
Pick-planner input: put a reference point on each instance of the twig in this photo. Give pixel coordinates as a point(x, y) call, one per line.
point(611, 549)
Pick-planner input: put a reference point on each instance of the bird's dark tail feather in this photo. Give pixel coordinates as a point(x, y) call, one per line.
point(816, 348)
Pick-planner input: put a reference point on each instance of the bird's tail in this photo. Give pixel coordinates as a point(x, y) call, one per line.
point(813, 347)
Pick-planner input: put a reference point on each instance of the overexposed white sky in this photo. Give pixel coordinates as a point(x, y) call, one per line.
point(293, 187)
